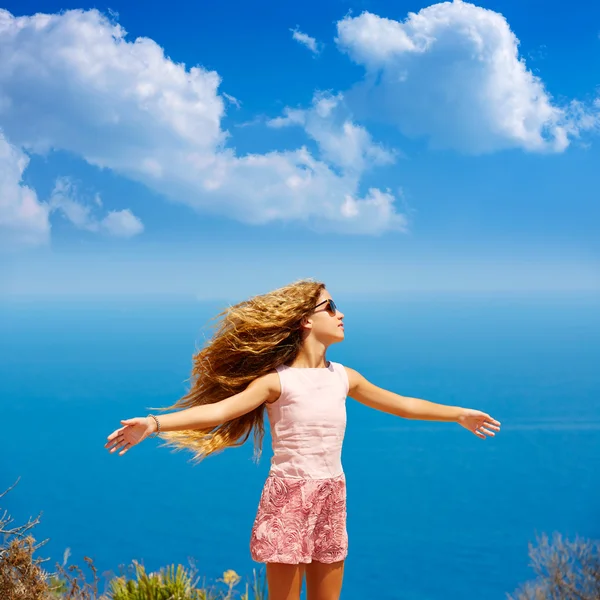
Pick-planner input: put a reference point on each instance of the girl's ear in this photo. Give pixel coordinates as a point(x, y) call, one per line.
point(306, 323)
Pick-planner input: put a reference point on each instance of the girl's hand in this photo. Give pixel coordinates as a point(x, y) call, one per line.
point(134, 431)
point(479, 423)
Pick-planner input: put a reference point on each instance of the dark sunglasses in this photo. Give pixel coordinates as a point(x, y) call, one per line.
point(331, 307)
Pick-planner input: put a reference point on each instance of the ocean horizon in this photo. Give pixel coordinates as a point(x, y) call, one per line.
point(434, 513)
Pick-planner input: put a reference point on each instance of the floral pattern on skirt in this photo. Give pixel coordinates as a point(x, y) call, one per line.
point(300, 520)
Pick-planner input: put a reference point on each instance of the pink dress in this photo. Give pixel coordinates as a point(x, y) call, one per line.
point(301, 515)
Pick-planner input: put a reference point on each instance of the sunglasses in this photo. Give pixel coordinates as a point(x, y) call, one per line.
point(331, 308)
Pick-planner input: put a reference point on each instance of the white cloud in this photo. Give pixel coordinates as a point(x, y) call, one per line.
point(582, 117)
point(23, 218)
point(125, 106)
point(452, 73)
point(232, 99)
point(78, 65)
point(305, 40)
point(341, 142)
point(63, 200)
point(25, 221)
point(121, 223)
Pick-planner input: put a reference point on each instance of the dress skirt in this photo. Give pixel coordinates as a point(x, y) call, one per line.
point(300, 520)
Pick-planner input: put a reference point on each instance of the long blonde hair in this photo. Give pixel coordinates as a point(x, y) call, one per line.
point(251, 338)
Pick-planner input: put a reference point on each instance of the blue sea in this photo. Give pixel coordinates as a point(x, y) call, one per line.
point(434, 512)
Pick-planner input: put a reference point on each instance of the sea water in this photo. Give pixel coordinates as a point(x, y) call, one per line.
point(434, 513)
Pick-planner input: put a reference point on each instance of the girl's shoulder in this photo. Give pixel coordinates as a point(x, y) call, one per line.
point(273, 382)
point(342, 373)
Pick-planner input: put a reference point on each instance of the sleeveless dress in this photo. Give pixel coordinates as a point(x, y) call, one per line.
point(301, 515)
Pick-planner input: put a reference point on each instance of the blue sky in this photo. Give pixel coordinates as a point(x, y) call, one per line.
point(378, 146)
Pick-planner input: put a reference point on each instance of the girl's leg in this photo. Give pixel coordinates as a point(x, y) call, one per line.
point(284, 581)
point(324, 581)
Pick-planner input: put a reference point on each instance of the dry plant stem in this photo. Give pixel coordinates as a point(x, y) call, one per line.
point(565, 569)
point(21, 575)
point(80, 589)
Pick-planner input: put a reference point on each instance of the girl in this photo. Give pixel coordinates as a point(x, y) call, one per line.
point(270, 352)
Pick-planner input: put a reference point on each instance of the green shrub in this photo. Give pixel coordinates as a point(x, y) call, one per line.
point(179, 583)
point(170, 583)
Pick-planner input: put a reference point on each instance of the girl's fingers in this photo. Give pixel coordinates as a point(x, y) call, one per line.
point(115, 433)
point(485, 426)
point(126, 447)
point(116, 444)
point(116, 447)
point(482, 432)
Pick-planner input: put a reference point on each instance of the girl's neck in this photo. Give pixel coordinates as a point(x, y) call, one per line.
point(309, 358)
point(325, 365)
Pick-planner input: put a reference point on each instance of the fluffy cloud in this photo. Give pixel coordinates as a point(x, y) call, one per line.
point(72, 81)
point(452, 73)
point(121, 223)
point(118, 223)
point(305, 40)
point(341, 142)
point(23, 219)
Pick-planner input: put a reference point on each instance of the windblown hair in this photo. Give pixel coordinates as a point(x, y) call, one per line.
point(251, 339)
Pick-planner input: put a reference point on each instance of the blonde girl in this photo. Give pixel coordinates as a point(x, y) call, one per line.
point(269, 353)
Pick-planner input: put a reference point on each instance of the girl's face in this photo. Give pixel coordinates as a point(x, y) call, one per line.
point(326, 324)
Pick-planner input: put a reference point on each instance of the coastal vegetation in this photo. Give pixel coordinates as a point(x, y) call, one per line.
point(565, 569)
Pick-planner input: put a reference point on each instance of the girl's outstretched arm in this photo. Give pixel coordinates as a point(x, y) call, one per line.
point(476, 421)
point(263, 389)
